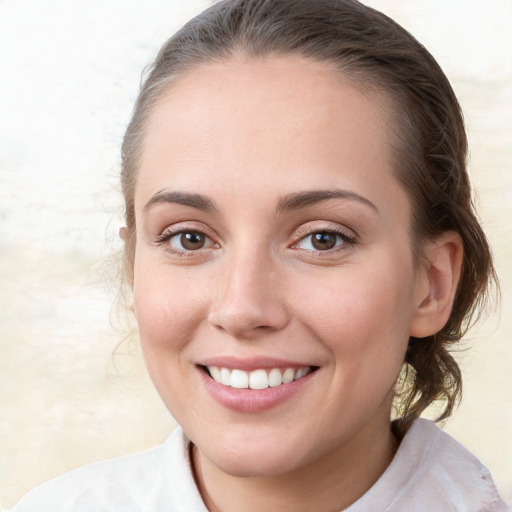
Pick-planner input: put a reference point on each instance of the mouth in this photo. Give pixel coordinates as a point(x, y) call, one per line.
point(257, 379)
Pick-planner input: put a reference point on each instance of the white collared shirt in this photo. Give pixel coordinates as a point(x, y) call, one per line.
point(431, 472)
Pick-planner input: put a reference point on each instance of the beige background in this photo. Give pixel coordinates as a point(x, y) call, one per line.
point(69, 76)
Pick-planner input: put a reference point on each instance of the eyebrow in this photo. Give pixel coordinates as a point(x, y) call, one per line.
point(304, 199)
point(294, 201)
point(185, 198)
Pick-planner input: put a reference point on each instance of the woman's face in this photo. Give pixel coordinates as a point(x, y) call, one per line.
point(273, 244)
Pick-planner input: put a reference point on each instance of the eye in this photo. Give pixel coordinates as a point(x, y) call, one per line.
point(322, 241)
point(189, 241)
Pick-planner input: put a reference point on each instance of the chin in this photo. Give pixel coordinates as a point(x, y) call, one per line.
point(246, 465)
point(253, 456)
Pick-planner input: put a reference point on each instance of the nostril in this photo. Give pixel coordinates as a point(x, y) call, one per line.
point(245, 320)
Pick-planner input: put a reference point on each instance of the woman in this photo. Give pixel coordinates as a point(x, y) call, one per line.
point(302, 251)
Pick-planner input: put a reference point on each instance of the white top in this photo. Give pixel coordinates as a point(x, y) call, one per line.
point(431, 471)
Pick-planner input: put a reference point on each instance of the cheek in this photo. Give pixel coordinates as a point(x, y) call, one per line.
point(361, 313)
point(168, 310)
point(168, 314)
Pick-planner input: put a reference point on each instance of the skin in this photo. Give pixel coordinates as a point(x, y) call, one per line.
point(246, 133)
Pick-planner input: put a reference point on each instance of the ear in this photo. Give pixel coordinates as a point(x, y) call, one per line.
point(123, 233)
point(436, 285)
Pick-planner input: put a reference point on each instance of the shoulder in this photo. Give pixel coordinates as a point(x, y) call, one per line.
point(452, 468)
point(136, 482)
point(433, 471)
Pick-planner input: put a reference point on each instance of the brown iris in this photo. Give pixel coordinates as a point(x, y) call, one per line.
point(323, 240)
point(191, 240)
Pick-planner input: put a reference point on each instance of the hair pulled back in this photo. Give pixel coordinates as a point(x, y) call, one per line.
point(429, 137)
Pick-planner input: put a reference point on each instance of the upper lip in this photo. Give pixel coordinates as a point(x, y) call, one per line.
point(253, 363)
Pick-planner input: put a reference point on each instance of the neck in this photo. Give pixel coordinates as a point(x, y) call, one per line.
point(330, 483)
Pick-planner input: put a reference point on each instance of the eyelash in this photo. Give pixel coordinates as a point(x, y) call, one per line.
point(303, 234)
point(347, 241)
point(169, 234)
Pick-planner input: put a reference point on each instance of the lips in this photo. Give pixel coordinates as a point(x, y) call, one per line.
point(254, 386)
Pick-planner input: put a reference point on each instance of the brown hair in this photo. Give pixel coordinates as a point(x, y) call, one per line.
point(429, 141)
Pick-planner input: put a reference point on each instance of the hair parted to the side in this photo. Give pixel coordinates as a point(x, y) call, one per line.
point(428, 138)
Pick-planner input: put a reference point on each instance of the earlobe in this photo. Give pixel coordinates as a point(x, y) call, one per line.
point(438, 285)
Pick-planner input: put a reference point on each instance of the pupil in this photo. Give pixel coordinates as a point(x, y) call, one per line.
point(192, 240)
point(324, 241)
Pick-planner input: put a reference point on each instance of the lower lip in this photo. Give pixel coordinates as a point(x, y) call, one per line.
point(253, 400)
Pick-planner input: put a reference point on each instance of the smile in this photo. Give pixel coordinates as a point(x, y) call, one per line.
point(257, 379)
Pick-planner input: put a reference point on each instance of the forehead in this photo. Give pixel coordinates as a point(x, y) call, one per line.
point(273, 122)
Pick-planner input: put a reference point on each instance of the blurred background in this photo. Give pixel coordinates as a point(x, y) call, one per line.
point(71, 391)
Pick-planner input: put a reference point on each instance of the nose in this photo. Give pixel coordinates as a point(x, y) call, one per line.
point(250, 301)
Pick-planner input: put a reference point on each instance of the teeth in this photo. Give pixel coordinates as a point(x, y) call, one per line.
point(301, 372)
point(275, 378)
point(257, 379)
point(215, 373)
point(239, 379)
point(225, 377)
point(288, 375)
